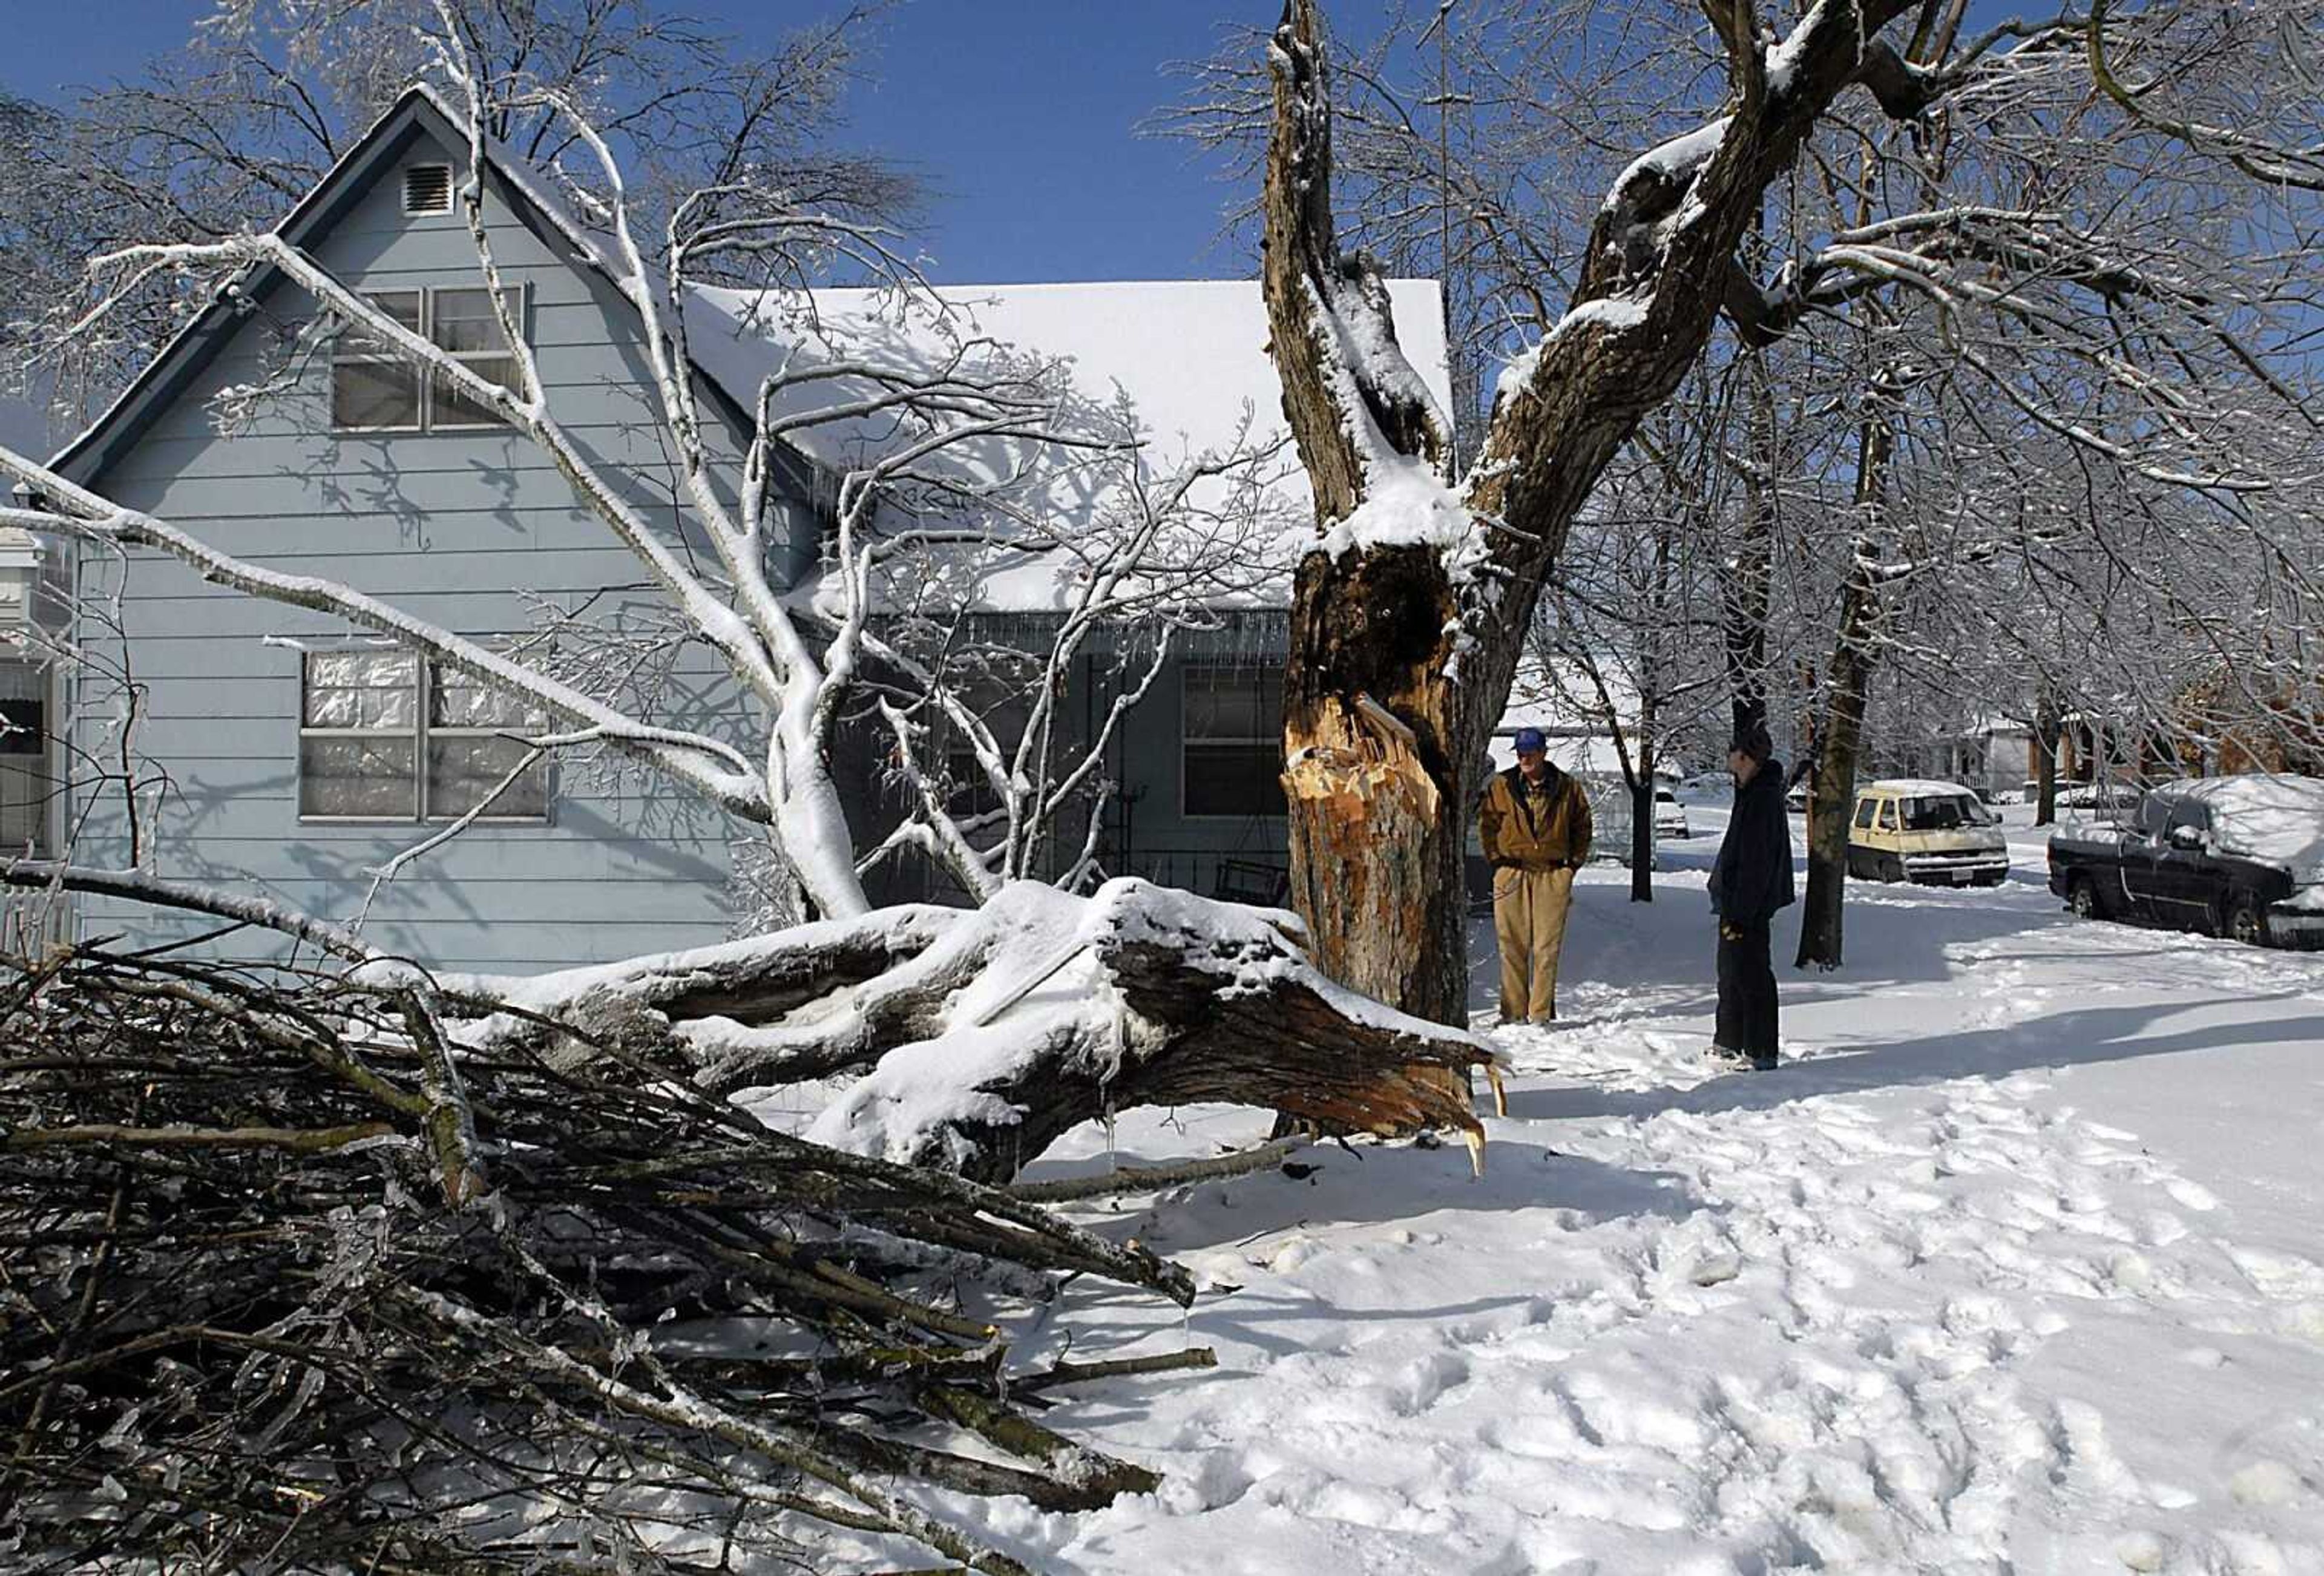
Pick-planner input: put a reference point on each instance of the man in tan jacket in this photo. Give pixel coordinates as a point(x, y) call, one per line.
point(1535, 828)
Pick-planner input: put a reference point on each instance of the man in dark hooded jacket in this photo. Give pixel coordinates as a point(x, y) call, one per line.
point(1751, 879)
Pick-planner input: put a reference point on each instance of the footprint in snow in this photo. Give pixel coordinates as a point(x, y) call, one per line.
point(2265, 1482)
point(1420, 1384)
point(2191, 1196)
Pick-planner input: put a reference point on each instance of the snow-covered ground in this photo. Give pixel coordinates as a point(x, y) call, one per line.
point(2016, 1266)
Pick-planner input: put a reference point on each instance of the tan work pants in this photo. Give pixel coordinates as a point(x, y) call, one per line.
point(1529, 922)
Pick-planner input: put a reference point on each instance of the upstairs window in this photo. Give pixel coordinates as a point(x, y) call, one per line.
point(1232, 726)
point(369, 749)
point(373, 390)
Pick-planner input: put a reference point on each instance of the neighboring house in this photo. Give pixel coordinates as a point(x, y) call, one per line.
point(1199, 798)
point(2224, 726)
point(1997, 755)
point(290, 756)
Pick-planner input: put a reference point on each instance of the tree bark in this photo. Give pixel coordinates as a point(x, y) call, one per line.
point(1191, 1000)
point(1286, 1046)
point(2047, 726)
point(1832, 794)
point(1402, 652)
point(1642, 841)
point(1751, 575)
point(1833, 788)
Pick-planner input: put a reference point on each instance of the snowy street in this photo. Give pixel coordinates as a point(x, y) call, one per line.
point(2013, 1267)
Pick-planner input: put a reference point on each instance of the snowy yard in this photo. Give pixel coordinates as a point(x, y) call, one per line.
point(2015, 1267)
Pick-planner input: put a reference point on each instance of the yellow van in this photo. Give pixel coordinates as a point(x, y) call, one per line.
point(1938, 834)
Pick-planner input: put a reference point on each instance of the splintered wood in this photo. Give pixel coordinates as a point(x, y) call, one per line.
point(1371, 810)
point(1369, 780)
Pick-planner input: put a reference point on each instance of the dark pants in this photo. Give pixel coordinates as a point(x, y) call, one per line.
point(1747, 992)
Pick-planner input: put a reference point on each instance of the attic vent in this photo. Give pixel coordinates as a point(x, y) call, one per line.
point(428, 189)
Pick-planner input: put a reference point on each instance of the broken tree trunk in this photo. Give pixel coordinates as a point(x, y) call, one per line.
point(1407, 615)
point(975, 1037)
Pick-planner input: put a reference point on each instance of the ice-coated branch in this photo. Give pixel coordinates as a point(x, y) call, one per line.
point(2274, 164)
point(705, 764)
point(142, 886)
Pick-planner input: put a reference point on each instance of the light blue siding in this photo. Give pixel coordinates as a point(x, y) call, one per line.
point(455, 528)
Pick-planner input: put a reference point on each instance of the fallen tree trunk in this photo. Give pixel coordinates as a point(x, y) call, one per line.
point(370, 1267)
point(989, 1033)
point(976, 1037)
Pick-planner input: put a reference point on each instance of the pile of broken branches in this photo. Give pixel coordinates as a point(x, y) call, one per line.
point(290, 1281)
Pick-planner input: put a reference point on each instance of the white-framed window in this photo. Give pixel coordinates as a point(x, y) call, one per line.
point(372, 390)
point(371, 747)
point(29, 785)
point(1231, 717)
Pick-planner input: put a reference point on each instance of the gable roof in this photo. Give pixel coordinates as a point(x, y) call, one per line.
point(419, 114)
point(1192, 356)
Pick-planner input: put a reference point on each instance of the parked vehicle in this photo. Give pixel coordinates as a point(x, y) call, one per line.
point(2100, 801)
point(1670, 815)
point(2237, 856)
point(1937, 833)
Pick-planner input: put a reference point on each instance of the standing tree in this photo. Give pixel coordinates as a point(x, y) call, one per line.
point(1408, 612)
point(1977, 228)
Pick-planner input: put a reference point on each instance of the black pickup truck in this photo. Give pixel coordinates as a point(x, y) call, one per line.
point(2237, 856)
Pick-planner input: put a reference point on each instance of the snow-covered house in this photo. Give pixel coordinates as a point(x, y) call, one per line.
point(1997, 755)
point(281, 754)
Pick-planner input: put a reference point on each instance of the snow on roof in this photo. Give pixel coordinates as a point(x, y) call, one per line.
point(1558, 696)
point(2275, 816)
point(1189, 358)
point(1918, 787)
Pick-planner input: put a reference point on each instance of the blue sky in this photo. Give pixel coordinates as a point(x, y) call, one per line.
point(1021, 114)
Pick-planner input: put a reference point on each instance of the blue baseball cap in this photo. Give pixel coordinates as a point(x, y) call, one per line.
point(1531, 739)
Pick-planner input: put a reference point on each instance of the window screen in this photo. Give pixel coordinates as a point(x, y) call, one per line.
point(462, 321)
point(371, 390)
point(374, 391)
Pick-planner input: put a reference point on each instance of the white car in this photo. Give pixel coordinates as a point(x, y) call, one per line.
point(1670, 815)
